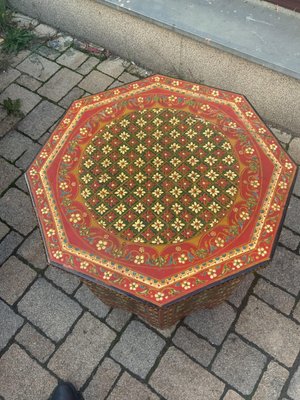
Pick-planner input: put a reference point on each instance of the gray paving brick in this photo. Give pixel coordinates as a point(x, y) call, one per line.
point(74, 94)
point(231, 395)
point(18, 58)
point(17, 211)
point(138, 348)
point(7, 77)
point(83, 349)
point(90, 301)
point(95, 82)
point(61, 42)
point(21, 184)
point(40, 119)
point(284, 270)
point(115, 84)
point(195, 347)
point(102, 381)
point(48, 52)
point(8, 123)
point(213, 323)
point(24, 21)
point(130, 388)
point(33, 250)
point(10, 322)
point(177, 377)
point(241, 291)
point(292, 215)
point(167, 332)
point(294, 388)
point(271, 331)
point(15, 277)
point(13, 145)
point(29, 82)
point(36, 344)
point(239, 364)
point(4, 229)
point(271, 383)
point(88, 65)
point(112, 66)
point(127, 78)
point(8, 245)
point(22, 378)
point(297, 184)
point(43, 30)
point(294, 149)
point(134, 69)
point(282, 136)
point(118, 318)
point(43, 139)
point(26, 159)
point(28, 99)
point(60, 84)
point(49, 309)
point(281, 300)
point(9, 173)
point(67, 281)
point(72, 58)
point(289, 239)
point(296, 312)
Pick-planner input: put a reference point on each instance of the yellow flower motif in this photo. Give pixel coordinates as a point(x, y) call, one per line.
point(178, 224)
point(159, 296)
point(102, 193)
point(124, 135)
point(102, 178)
point(58, 254)
point(140, 192)
point(66, 121)
point(83, 131)
point(107, 275)
point(237, 263)
point(107, 149)
point(55, 137)
point(175, 83)
point(63, 185)
point(120, 209)
point(269, 228)
point(186, 285)
point(282, 185)
point(172, 98)
point(157, 177)
point(176, 192)
point(51, 232)
point(214, 207)
point(176, 208)
point(96, 98)
point(195, 207)
point(109, 110)
point(44, 154)
point(78, 104)
point(261, 251)
point(231, 191)
point(195, 88)
point(273, 146)
point(135, 86)
point(175, 161)
point(249, 150)
point(219, 242)
point(101, 244)
point(157, 193)
point(228, 159)
point(255, 183)
point(157, 225)
point(139, 259)
point(90, 149)
point(244, 215)
point(194, 191)
point(158, 208)
point(45, 210)
point(84, 265)
point(122, 163)
point(215, 93)
point(276, 207)
point(192, 146)
point(157, 78)
point(288, 165)
point(75, 217)
point(39, 191)
point(205, 107)
point(90, 163)
point(210, 160)
point(101, 209)
point(197, 224)
point(213, 191)
point(208, 133)
point(121, 192)
point(192, 161)
point(86, 193)
point(32, 172)
point(262, 130)
point(232, 125)
point(238, 99)
point(133, 286)
point(139, 225)
point(140, 148)
point(119, 225)
point(212, 175)
point(107, 136)
point(139, 177)
point(175, 176)
point(230, 175)
point(66, 158)
point(182, 259)
point(249, 114)
point(139, 208)
point(212, 273)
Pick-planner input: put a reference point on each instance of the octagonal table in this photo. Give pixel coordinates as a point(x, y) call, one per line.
point(160, 195)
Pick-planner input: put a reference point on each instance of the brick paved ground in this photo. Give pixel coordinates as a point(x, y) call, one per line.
point(52, 327)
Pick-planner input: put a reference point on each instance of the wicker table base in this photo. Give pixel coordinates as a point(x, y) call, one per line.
point(165, 316)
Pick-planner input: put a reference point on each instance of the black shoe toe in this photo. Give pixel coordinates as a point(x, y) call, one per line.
point(65, 391)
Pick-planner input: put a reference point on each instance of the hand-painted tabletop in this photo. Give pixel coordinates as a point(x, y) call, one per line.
point(161, 188)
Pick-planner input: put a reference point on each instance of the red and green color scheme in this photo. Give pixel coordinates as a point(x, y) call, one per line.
point(160, 189)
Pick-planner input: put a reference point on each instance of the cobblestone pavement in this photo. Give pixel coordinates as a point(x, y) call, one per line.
point(52, 327)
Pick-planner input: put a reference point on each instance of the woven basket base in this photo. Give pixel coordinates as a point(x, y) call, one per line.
point(166, 316)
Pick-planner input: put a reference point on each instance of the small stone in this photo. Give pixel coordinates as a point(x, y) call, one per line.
point(13, 145)
point(103, 380)
point(128, 387)
point(60, 43)
point(283, 137)
point(284, 270)
point(4, 229)
point(22, 378)
point(112, 66)
point(87, 298)
point(26, 159)
point(195, 347)
point(67, 281)
point(48, 52)
point(16, 210)
point(138, 348)
point(28, 99)
point(43, 30)
point(39, 67)
point(38, 121)
point(9, 174)
point(23, 21)
point(49, 309)
point(10, 322)
point(177, 377)
point(296, 312)
point(292, 215)
point(118, 318)
point(289, 239)
point(127, 78)
point(213, 323)
point(72, 58)
point(231, 395)
point(271, 331)
point(241, 290)
point(296, 190)
point(294, 388)
point(7, 77)
point(239, 364)
point(88, 65)
point(8, 245)
point(294, 150)
point(95, 82)
point(271, 383)
point(73, 95)
point(36, 344)
point(274, 296)
point(83, 349)
point(15, 277)
point(134, 69)
point(29, 82)
point(60, 84)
